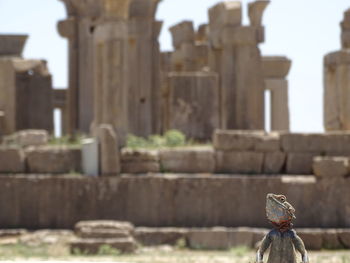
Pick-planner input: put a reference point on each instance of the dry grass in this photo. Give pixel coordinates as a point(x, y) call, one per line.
point(155, 255)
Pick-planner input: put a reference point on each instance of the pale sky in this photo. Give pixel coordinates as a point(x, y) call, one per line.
point(303, 30)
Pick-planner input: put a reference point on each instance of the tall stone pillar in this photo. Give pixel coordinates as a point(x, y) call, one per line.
point(275, 71)
point(337, 83)
point(238, 59)
point(143, 75)
point(111, 97)
point(78, 28)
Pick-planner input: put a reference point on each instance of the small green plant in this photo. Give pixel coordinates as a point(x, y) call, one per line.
point(172, 138)
point(175, 138)
point(67, 140)
point(181, 243)
point(107, 250)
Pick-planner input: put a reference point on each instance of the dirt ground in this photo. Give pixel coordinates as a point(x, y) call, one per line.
point(52, 246)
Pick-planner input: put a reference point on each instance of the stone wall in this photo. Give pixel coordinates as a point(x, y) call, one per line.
point(182, 201)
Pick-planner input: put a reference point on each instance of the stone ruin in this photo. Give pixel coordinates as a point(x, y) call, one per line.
point(118, 76)
point(25, 89)
point(213, 83)
point(337, 82)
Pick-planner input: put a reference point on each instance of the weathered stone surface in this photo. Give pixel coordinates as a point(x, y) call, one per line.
point(99, 225)
point(193, 106)
point(53, 159)
point(27, 138)
point(12, 45)
point(274, 162)
point(337, 142)
point(182, 33)
point(228, 140)
point(139, 155)
point(312, 238)
point(25, 94)
point(140, 167)
point(102, 233)
point(300, 163)
point(256, 10)
point(242, 140)
point(331, 167)
point(188, 160)
point(109, 150)
point(215, 238)
point(336, 95)
point(239, 162)
point(220, 238)
point(330, 239)
point(221, 15)
point(12, 160)
point(35, 202)
point(94, 246)
point(160, 236)
point(240, 36)
point(344, 237)
point(268, 143)
point(278, 89)
point(12, 232)
point(276, 67)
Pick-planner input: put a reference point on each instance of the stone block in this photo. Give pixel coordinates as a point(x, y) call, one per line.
point(240, 36)
point(194, 104)
point(90, 157)
point(220, 238)
point(227, 13)
point(102, 233)
point(109, 150)
point(241, 236)
point(330, 239)
point(239, 162)
point(182, 33)
point(331, 167)
point(99, 225)
point(139, 155)
point(160, 236)
point(53, 159)
point(92, 246)
point(300, 163)
point(268, 143)
point(5, 233)
point(344, 237)
point(345, 38)
point(274, 162)
point(236, 140)
point(214, 239)
point(188, 160)
point(12, 45)
point(298, 142)
point(331, 142)
point(256, 10)
point(12, 160)
point(312, 238)
point(27, 138)
point(276, 67)
point(140, 167)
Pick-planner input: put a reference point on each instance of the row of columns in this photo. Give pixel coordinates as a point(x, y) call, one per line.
point(113, 65)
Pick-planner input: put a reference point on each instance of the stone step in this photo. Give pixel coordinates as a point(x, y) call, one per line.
point(98, 245)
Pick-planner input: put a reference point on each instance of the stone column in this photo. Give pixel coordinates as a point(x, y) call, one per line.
point(78, 28)
point(237, 58)
point(143, 75)
point(183, 57)
point(337, 83)
point(275, 71)
point(111, 67)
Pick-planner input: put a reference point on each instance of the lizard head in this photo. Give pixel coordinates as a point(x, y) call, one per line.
point(278, 210)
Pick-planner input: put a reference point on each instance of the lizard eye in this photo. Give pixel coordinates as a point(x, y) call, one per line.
point(283, 198)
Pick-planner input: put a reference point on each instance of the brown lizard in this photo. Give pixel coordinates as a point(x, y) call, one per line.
point(283, 239)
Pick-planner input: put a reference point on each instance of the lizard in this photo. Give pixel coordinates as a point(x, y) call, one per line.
point(282, 239)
